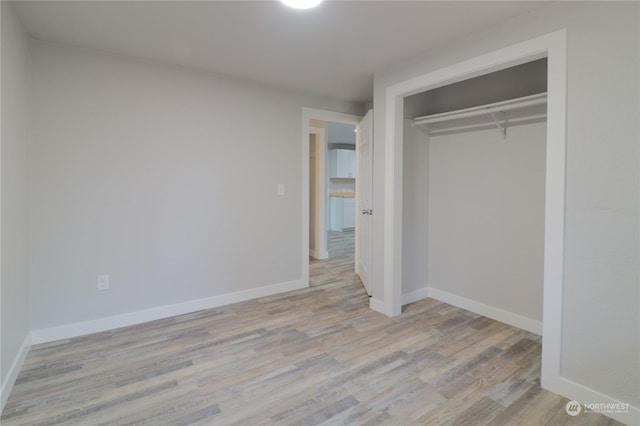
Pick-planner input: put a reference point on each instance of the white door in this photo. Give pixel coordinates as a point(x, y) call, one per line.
point(364, 177)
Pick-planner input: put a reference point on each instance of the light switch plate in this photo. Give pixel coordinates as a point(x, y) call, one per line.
point(103, 282)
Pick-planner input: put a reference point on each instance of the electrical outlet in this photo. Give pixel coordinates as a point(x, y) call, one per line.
point(103, 282)
point(280, 189)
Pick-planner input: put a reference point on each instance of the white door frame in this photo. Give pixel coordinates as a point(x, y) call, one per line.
point(323, 115)
point(554, 47)
point(321, 191)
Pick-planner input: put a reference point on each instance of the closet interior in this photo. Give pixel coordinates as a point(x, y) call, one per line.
point(473, 192)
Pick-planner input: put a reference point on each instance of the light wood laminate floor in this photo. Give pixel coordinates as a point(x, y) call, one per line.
point(306, 357)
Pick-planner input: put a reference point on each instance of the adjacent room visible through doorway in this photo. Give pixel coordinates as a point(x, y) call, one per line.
point(332, 192)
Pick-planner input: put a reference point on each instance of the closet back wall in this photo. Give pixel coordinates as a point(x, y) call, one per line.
point(163, 177)
point(486, 217)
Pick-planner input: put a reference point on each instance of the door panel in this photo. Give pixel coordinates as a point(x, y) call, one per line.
point(364, 152)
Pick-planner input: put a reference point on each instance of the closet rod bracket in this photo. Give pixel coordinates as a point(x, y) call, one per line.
point(426, 130)
point(502, 128)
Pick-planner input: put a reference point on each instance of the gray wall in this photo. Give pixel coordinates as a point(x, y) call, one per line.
point(486, 217)
point(162, 177)
point(600, 335)
point(473, 216)
point(415, 209)
point(14, 286)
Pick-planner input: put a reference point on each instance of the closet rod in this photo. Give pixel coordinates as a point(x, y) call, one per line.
point(514, 121)
point(512, 104)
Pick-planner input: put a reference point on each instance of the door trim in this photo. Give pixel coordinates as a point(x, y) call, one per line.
point(554, 47)
point(323, 115)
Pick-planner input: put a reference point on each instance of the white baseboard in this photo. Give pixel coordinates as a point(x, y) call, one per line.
point(320, 256)
point(488, 311)
point(14, 370)
point(585, 395)
point(378, 306)
point(108, 323)
point(414, 296)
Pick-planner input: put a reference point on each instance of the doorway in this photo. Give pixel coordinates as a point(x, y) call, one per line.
point(329, 196)
point(317, 187)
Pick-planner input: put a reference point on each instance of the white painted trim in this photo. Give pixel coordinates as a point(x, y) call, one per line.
point(585, 395)
point(378, 306)
point(414, 296)
point(14, 370)
point(394, 112)
point(488, 311)
point(108, 323)
point(554, 47)
point(324, 115)
point(319, 255)
point(554, 221)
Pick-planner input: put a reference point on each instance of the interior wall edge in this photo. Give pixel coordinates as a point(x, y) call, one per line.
point(14, 226)
point(14, 370)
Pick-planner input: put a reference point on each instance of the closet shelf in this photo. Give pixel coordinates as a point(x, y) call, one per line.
point(503, 114)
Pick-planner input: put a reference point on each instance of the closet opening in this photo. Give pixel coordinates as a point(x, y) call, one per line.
point(473, 194)
point(553, 47)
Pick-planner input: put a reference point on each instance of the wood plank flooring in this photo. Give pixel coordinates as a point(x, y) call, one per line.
point(307, 357)
point(340, 265)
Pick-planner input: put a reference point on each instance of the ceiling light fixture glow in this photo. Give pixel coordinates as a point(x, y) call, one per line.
point(301, 4)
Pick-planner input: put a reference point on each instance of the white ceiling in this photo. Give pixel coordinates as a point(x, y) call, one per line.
point(332, 50)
